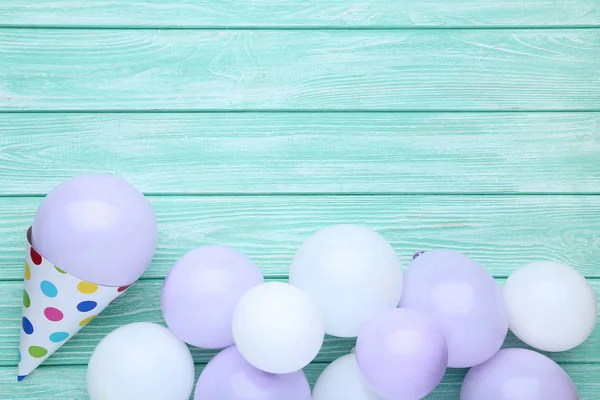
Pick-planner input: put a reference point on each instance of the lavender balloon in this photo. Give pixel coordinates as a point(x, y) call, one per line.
point(229, 376)
point(463, 298)
point(402, 354)
point(201, 291)
point(97, 228)
point(514, 374)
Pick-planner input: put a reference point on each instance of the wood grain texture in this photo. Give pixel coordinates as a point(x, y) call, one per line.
point(299, 13)
point(487, 70)
point(68, 382)
point(306, 152)
point(467, 170)
point(142, 303)
point(501, 232)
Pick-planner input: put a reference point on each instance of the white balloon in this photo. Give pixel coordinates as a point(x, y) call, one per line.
point(551, 306)
point(140, 361)
point(351, 272)
point(342, 380)
point(277, 328)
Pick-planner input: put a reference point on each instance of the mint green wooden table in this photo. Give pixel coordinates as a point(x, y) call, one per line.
point(464, 124)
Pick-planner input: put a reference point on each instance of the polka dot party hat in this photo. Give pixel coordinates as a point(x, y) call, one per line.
point(56, 305)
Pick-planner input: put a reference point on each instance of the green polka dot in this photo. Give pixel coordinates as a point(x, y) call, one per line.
point(59, 270)
point(26, 300)
point(37, 351)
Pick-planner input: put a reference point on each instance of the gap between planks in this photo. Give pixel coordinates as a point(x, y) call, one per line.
point(297, 111)
point(334, 194)
point(293, 28)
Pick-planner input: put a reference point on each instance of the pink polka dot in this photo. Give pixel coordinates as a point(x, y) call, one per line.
point(53, 314)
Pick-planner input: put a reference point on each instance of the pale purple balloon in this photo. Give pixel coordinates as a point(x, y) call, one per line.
point(402, 354)
point(98, 228)
point(201, 291)
point(518, 374)
point(463, 298)
point(228, 376)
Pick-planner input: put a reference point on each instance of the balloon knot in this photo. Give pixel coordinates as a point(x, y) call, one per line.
point(418, 253)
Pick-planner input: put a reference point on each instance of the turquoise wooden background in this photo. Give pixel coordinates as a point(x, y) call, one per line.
point(464, 124)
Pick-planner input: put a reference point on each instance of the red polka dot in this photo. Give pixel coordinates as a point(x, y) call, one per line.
point(35, 257)
point(53, 314)
point(123, 288)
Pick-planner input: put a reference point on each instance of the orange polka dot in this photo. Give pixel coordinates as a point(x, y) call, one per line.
point(87, 287)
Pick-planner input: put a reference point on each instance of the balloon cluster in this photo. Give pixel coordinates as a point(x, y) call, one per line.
point(446, 311)
point(94, 235)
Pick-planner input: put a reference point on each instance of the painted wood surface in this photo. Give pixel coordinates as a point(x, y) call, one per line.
point(501, 232)
point(464, 124)
point(210, 153)
point(481, 70)
point(142, 303)
point(295, 13)
point(64, 382)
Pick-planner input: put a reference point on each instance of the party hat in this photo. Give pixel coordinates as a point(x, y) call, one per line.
point(56, 305)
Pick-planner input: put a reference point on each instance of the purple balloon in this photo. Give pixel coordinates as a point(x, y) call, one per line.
point(98, 228)
point(463, 298)
point(201, 291)
point(229, 376)
point(515, 374)
point(402, 354)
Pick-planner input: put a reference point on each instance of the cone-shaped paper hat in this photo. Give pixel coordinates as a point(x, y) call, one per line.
point(56, 305)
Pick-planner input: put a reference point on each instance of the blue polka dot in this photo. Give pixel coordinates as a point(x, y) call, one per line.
point(48, 289)
point(58, 336)
point(86, 306)
point(27, 326)
point(21, 377)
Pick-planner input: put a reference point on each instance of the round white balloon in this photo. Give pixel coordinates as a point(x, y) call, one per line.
point(277, 328)
point(551, 306)
point(342, 380)
point(351, 272)
point(140, 361)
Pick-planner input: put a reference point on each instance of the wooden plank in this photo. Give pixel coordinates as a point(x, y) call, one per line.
point(501, 232)
point(142, 303)
point(488, 70)
point(68, 382)
point(306, 153)
point(299, 13)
